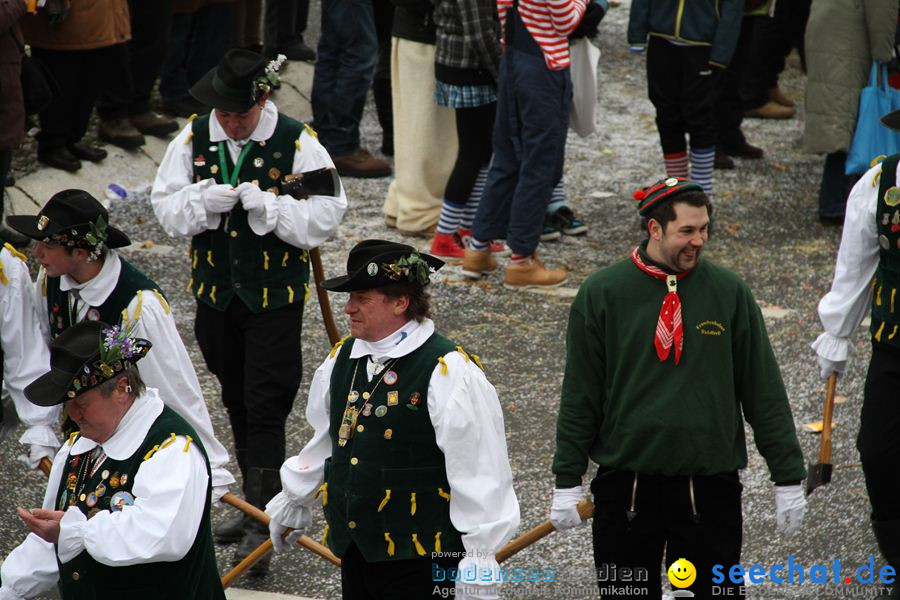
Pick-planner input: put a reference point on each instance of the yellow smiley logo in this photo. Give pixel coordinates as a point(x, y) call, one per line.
point(682, 573)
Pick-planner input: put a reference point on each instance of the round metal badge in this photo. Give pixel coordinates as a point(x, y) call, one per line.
point(120, 500)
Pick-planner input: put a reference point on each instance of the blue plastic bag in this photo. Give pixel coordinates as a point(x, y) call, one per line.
point(871, 138)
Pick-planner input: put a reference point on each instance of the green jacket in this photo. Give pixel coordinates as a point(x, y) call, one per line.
point(714, 23)
point(624, 409)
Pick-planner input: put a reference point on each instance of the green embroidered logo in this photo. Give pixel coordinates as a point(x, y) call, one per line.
point(711, 328)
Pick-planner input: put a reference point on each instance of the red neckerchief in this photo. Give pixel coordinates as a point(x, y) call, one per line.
point(669, 328)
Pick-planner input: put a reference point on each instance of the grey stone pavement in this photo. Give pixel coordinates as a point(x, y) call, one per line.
point(765, 229)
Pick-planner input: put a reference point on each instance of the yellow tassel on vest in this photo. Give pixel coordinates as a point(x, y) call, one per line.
point(443, 365)
point(290, 294)
point(443, 494)
point(893, 293)
point(305, 293)
point(878, 333)
point(124, 316)
point(878, 296)
point(187, 444)
point(335, 348)
point(140, 305)
point(463, 352)
point(304, 255)
point(323, 489)
point(387, 496)
point(437, 542)
point(265, 261)
point(169, 441)
point(44, 285)
point(3, 278)
point(14, 252)
point(194, 260)
point(478, 361)
point(189, 138)
point(419, 549)
point(310, 131)
point(191, 118)
point(200, 290)
point(212, 294)
point(297, 145)
point(412, 503)
point(162, 301)
point(209, 259)
point(325, 536)
point(190, 284)
point(284, 259)
point(72, 438)
point(390, 548)
point(265, 297)
point(893, 333)
point(152, 452)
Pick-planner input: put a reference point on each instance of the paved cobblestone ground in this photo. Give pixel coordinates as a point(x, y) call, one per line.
point(765, 229)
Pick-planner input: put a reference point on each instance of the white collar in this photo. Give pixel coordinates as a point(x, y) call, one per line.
point(264, 129)
point(400, 343)
point(132, 429)
point(95, 291)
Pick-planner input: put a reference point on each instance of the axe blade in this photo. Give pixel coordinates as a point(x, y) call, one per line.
point(817, 476)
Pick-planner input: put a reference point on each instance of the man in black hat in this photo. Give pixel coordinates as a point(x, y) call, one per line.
point(224, 181)
point(126, 512)
point(83, 278)
point(866, 282)
point(408, 455)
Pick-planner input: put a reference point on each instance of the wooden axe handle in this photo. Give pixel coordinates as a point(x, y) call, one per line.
point(44, 466)
point(304, 540)
point(242, 566)
point(585, 511)
point(825, 440)
point(315, 258)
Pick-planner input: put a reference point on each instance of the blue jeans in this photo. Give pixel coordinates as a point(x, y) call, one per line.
point(529, 147)
point(348, 50)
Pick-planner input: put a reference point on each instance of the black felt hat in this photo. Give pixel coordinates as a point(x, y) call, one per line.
point(231, 85)
point(376, 263)
point(71, 218)
point(892, 120)
point(81, 358)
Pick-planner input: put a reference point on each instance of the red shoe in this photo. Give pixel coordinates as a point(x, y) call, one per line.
point(447, 246)
point(498, 248)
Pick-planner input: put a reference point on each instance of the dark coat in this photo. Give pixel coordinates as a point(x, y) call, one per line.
point(12, 110)
point(90, 24)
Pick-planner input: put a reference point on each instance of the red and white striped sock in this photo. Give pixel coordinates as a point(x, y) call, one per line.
point(677, 164)
point(518, 259)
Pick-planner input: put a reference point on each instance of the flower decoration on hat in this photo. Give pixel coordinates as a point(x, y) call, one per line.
point(269, 78)
point(93, 239)
point(412, 267)
point(118, 351)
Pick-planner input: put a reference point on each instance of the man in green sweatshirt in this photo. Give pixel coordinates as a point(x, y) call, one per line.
point(667, 355)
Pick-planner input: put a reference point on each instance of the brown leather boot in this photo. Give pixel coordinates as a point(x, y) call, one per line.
point(478, 263)
point(532, 274)
point(121, 133)
point(770, 110)
point(150, 123)
point(361, 164)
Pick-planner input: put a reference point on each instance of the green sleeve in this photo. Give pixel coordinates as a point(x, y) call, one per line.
point(583, 391)
point(760, 390)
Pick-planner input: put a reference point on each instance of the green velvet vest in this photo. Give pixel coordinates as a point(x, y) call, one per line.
point(263, 271)
point(59, 303)
point(195, 576)
point(387, 489)
point(885, 325)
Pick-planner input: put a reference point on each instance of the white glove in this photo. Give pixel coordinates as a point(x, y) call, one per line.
point(218, 491)
point(790, 506)
point(219, 198)
point(827, 367)
point(252, 198)
point(476, 592)
point(564, 509)
point(37, 452)
point(281, 544)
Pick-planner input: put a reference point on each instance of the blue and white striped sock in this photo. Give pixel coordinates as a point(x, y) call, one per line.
point(479, 245)
point(474, 199)
point(557, 198)
point(702, 167)
point(451, 217)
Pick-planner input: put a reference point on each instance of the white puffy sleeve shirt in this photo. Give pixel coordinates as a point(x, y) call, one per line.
point(25, 355)
point(161, 525)
point(167, 367)
point(468, 425)
point(844, 307)
point(178, 201)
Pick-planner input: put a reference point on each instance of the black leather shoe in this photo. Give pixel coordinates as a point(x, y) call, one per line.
point(231, 531)
point(59, 158)
point(722, 160)
point(87, 152)
point(743, 150)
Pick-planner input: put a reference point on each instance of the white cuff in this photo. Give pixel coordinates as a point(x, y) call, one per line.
point(284, 512)
point(263, 221)
point(833, 348)
point(42, 435)
point(482, 569)
point(71, 534)
point(221, 477)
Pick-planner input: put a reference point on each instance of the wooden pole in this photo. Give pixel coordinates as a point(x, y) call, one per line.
point(315, 257)
point(585, 511)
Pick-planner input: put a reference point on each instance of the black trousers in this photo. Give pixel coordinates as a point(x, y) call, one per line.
point(707, 532)
point(682, 95)
point(257, 359)
point(474, 127)
point(136, 71)
point(392, 580)
point(729, 108)
point(879, 432)
point(81, 74)
point(283, 21)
